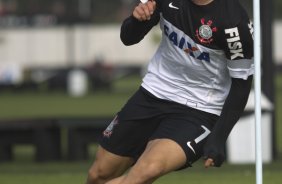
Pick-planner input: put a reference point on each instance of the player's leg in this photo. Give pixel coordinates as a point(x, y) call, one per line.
point(176, 144)
point(107, 166)
point(125, 139)
point(160, 157)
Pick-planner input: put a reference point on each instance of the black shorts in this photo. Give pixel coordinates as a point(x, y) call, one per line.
point(145, 117)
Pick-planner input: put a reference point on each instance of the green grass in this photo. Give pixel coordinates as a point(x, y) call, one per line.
point(57, 104)
point(228, 174)
point(31, 105)
point(76, 172)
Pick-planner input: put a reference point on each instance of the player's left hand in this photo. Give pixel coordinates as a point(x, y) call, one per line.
point(209, 163)
point(214, 159)
point(214, 155)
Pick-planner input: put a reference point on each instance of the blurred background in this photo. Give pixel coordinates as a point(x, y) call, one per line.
point(64, 73)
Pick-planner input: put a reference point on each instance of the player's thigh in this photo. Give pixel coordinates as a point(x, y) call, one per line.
point(189, 133)
point(163, 156)
point(108, 164)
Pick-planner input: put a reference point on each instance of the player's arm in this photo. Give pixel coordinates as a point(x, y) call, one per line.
point(232, 110)
point(239, 51)
point(143, 18)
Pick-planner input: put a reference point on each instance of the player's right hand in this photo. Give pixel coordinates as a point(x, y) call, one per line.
point(144, 11)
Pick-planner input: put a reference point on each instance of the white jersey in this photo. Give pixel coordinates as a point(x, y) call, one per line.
point(198, 56)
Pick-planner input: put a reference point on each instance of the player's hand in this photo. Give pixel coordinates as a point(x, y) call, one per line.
point(214, 151)
point(209, 163)
point(144, 11)
point(214, 157)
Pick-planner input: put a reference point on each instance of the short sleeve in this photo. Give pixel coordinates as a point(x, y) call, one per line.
point(239, 49)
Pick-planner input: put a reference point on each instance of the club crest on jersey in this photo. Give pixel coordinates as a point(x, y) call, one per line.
point(109, 130)
point(205, 32)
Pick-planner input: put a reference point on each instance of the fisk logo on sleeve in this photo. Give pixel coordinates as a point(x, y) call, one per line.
point(234, 43)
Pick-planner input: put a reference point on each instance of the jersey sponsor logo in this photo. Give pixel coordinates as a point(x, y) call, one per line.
point(199, 139)
point(185, 45)
point(109, 130)
point(172, 6)
point(234, 43)
point(205, 32)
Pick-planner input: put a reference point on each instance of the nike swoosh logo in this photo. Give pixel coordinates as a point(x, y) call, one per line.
point(172, 6)
point(200, 138)
point(190, 146)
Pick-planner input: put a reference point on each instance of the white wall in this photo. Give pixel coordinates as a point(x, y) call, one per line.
point(105, 42)
point(61, 46)
point(33, 46)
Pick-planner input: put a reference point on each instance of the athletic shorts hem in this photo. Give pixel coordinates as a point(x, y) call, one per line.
point(119, 153)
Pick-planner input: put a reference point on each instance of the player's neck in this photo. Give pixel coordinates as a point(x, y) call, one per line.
point(202, 2)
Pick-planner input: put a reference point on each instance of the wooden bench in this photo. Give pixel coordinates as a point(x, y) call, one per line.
point(44, 134)
point(81, 133)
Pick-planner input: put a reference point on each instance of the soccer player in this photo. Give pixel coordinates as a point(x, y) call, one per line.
point(194, 92)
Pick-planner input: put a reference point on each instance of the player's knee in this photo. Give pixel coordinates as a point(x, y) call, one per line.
point(97, 175)
point(150, 171)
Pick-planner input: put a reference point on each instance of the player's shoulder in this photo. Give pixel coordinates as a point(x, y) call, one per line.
point(234, 12)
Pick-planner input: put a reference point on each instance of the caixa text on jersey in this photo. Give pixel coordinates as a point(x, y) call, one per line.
point(184, 45)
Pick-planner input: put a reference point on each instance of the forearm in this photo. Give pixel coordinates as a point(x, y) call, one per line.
point(133, 31)
point(232, 110)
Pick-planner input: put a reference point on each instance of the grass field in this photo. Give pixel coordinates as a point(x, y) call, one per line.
point(103, 103)
point(57, 104)
point(23, 170)
point(75, 172)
